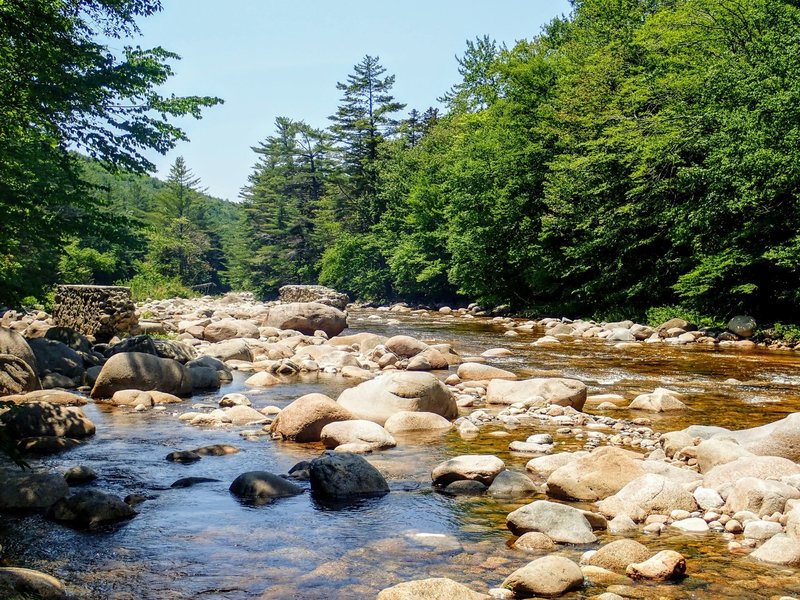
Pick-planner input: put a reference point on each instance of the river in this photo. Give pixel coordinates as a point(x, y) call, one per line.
point(200, 542)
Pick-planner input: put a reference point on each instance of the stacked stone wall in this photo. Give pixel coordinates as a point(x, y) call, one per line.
point(314, 293)
point(95, 310)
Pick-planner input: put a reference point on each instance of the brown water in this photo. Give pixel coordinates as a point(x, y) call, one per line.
point(201, 542)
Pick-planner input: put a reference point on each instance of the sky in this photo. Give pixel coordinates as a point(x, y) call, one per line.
point(270, 58)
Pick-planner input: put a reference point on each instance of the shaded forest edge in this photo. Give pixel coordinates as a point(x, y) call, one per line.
point(635, 159)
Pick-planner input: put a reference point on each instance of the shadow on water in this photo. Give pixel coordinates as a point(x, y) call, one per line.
point(201, 542)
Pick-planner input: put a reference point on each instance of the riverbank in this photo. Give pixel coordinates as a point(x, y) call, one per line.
point(461, 534)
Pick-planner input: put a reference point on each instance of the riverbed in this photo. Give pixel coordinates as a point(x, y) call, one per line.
point(201, 542)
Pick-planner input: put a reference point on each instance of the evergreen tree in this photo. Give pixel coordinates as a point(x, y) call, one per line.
point(281, 203)
point(362, 122)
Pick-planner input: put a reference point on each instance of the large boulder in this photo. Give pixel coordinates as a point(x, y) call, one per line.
point(14, 344)
point(760, 467)
point(56, 357)
point(136, 370)
point(22, 490)
point(229, 350)
point(561, 523)
point(308, 317)
point(43, 419)
point(617, 555)
point(780, 549)
point(16, 582)
point(407, 421)
point(175, 350)
point(435, 588)
point(474, 467)
point(356, 435)
point(647, 495)
point(261, 487)
point(762, 497)
point(601, 474)
point(511, 484)
point(548, 576)
point(718, 451)
point(66, 335)
point(228, 329)
point(17, 376)
point(472, 371)
point(90, 509)
point(343, 476)
point(303, 419)
point(538, 392)
point(380, 398)
point(405, 346)
point(779, 438)
point(742, 325)
point(660, 400)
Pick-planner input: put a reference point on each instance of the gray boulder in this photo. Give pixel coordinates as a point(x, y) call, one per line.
point(548, 576)
point(477, 467)
point(378, 399)
point(343, 476)
point(56, 357)
point(16, 582)
point(559, 522)
point(17, 376)
point(14, 344)
point(647, 495)
point(435, 588)
point(512, 484)
point(36, 419)
point(308, 317)
point(90, 509)
point(356, 434)
point(538, 392)
point(135, 370)
point(21, 490)
point(742, 325)
point(262, 486)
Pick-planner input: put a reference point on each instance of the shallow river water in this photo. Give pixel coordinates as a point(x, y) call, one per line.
point(200, 542)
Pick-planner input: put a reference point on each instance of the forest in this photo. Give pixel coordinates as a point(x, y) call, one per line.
point(633, 157)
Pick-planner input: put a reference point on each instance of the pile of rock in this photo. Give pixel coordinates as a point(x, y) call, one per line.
point(313, 293)
point(94, 310)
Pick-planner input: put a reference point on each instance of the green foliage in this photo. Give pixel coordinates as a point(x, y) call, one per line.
point(149, 282)
point(62, 88)
point(355, 265)
point(82, 265)
point(786, 333)
point(657, 315)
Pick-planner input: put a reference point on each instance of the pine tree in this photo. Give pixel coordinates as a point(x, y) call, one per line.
point(361, 124)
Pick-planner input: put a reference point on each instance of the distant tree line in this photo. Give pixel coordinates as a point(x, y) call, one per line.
point(635, 154)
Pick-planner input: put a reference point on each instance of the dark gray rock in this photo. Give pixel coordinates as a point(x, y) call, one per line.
point(261, 487)
point(43, 419)
point(90, 509)
point(21, 490)
point(742, 325)
point(56, 357)
point(344, 475)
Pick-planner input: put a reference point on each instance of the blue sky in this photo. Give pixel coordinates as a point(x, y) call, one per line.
point(270, 58)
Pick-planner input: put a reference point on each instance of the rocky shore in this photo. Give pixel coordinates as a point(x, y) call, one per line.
point(622, 478)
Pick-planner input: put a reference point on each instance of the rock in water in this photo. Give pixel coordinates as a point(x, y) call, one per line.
point(261, 487)
point(357, 432)
point(663, 566)
point(477, 467)
point(617, 555)
point(23, 583)
point(30, 491)
point(42, 419)
point(538, 392)
point(436, 588)
point(90, 509)
point(136, 370)
point(343, 475)
point(548, 576)
point(303, 419)
point(378, 399)
point(559, 522)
